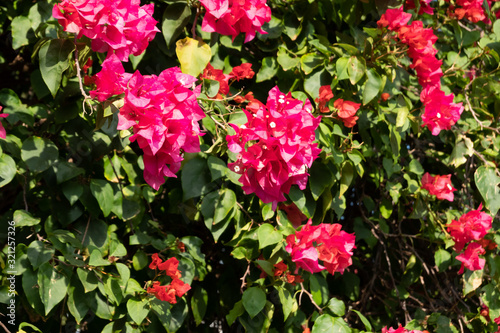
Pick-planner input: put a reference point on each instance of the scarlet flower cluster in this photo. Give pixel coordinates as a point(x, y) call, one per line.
point(424, 6)
point(440, 186)
point(176, 288)
point(472, 10)
point(281, 271)
point(440, 111)
point(162, 110)
point(325, 242)
point(121, 27)
point(346, 110)
point(243, 71)
point(472, 226)
point(232, 17)
point(3, 133)
point(400, 329)
point(275, 147)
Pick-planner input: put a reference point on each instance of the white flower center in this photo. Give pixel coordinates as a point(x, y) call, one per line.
point(272, 124)
point(243, 127)
point(449, 187)
point(236, 169)
point(438, 115)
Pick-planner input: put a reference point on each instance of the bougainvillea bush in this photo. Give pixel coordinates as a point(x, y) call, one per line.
point(250, 166)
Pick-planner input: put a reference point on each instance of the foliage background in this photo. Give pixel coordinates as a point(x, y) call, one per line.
point(87, 223)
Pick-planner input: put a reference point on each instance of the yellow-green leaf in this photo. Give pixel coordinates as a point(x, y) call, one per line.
point(193, 54)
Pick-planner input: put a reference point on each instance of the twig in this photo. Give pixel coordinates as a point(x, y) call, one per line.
point(244, 277)
point(193, 28)
point(80, 81)
point(85, 233)
point(5, 328)
point(320, 310)
point(24, 193)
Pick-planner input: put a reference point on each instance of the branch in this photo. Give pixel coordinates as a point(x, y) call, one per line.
point(303, 290)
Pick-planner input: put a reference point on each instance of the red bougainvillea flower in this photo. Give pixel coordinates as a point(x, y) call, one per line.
point(473, 225)
point(325, 95)
point(440, 186)
point(122, 27)
point(232, 17)
point(293, 213)
point(394, 19)
point(424, 6)
point(3, 132)
point(400, 329)
point(472, 10)
point(275, 146)
point(243, 71)
point(325, 242)
point(211, 73)
point(346, 111)
point(470, 258)
point(176, 287)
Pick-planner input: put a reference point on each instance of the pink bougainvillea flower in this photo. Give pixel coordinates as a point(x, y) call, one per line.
point(394, 19)
point(3, 132)
point(232, 17)
point(325, 95)
point(400, 329)
point(120, 27)
point(473, 225)
point(470, 258)
point(243, 71)
point(346, 111)
point(111, 80)
point(325, 242)
point(440, 186)
point(424, 6)
point(275, 146)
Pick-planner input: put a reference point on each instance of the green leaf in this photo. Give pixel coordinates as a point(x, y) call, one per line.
point(30, 287)
point(7, 169)
point(175, 18)
point(341, 66)
point(39, 154)
point(318, 78)
point(87, 278)
point(138, 309)
point(356, 69)
point(267, 210)
point(39, 253)
point(139, 260)
point(319, 288)
point(97, 260)
point(268, 70)
point(285, 60)
point(491, 297)
point(65, 171)
point(25, 219)
point(21, 25)
point(237, 311)
point(442, 259)
point(416, 167)
point(346, 178)
point(196, 178)
point(54, 58)
point(472, 280)
point(364, 320)
point(336, 306)
point(309, 61)
point(268, 235)
point(72, 191)
point(320, 179)
point(373, 85)
point(199, 302)
point(327, 323)
point(287, 301)
point(193, 54)
point(103, 192)
point(212, 87)
point(254, 300)
point(487, 181)
point(76, 306)
point(225, 202)
point(52, 286)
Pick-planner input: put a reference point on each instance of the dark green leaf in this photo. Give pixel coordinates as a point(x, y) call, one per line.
point(487, 182)
point(199, 302)
point(138, 309)
point(54, 58)
point(39, 154)
point(39, 253)
point(103, 192)
point(175, 18)
point(7, 169)
point(254, 300)
point(268, 235)
point(52, 286)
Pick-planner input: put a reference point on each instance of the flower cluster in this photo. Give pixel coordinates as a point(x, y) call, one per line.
point(281, 271)
point(275, 146)
point(162, 110)
point(122, 27)
point(345, 110)
point(424, 6)
point(440, 186)
point(176, 287)
point(241, 72)
point(3, 133)
point(325, 242)
point(232, 17)
point(400, 329)
point(440, 111)
point(471, 227)
point(472, 10)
